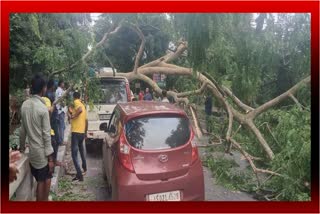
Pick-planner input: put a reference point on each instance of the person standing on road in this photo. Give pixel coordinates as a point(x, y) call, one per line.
point(53, 141)
point(141, 95)
point(208, 105)
point(148, 95)
point(164, 97)
point(208, 110)
point(35, 124)
point(60, 113)
point(53, 113)
point(79, 127)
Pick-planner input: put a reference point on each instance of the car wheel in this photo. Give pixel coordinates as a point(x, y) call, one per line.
point(104, 175)
point(109, 188)
point(105, 178)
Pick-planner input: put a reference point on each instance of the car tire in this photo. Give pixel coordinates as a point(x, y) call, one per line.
point(105, 178)
point(104, 175)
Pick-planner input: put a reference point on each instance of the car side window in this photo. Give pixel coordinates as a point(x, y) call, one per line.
point(115, 121)
point(111, 120)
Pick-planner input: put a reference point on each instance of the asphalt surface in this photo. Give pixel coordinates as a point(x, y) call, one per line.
point(95, 187)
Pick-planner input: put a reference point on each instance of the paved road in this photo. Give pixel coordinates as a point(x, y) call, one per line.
point(94, 187)
point(98, 186)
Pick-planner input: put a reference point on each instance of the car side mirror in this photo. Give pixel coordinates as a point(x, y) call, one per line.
point(112, 129)
point(104, 127)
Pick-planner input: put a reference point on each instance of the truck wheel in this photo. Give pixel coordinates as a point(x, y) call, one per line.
point(88, 145)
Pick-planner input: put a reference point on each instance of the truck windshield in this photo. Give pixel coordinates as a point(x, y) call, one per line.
point(114, 91)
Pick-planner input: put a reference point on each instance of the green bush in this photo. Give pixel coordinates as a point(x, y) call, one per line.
point(293, 156)
point(291, 144)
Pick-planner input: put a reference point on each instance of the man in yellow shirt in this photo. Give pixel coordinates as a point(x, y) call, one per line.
point(78, 131)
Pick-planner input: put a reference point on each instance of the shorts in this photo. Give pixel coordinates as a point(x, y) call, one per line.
point(42, 174)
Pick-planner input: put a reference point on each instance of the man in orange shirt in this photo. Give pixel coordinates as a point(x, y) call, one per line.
point(79, 126)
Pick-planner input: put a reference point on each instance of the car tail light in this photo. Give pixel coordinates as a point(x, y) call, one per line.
point(124, 153)
point(128, 92)
point(194, 153)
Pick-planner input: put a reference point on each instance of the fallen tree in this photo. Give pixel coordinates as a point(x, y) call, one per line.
point(235, 108)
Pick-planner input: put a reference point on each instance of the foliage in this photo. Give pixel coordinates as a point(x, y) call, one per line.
point(44, 43)
point(93, 91)
point(292, 129)
point(291, 143)
point(261, 57)
point(227, 174)
point(14, 139)
point(122, 48)
point(196, 31)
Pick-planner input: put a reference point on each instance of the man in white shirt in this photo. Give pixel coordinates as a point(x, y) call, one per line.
point(61, 112)
point(164, 96)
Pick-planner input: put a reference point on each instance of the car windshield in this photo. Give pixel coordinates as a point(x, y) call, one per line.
point(153, 133)
point(114, 91)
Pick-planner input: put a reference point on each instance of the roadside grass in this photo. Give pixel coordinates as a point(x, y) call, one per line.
point(69, 191)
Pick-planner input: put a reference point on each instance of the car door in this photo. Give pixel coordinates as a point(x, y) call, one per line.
point(112, 137)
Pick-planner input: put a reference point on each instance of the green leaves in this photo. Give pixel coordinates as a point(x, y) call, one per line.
point(197, 31)
point(52, 57)
point(45, 42)
point(35, 25)
point(123, 47)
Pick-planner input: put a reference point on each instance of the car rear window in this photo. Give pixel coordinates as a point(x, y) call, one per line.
point(114, 91)
point(153, 133)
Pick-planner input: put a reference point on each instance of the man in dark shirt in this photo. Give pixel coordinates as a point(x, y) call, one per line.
point(148, 95)
point(208, 105)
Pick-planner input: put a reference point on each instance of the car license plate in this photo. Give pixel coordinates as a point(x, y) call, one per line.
point(165, 196)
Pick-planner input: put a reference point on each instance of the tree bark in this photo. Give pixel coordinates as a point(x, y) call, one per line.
point(141, 49)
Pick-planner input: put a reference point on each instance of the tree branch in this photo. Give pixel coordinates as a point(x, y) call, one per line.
point(63, 95)
point(140, 52)
point(86, 55)
point(235, 99)
point(249, 159)
point(296, 101)
point(188, 93)
point(261, 139)
point(196, 121)
point(168, 57)
point(279, 98)
point(162, 65)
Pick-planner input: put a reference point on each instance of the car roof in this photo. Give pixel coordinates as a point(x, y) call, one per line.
point(139, 108)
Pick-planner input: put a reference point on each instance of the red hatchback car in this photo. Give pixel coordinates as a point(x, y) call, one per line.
point(149, 154)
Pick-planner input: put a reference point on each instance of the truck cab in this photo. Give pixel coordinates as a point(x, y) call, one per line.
point(115, 90)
